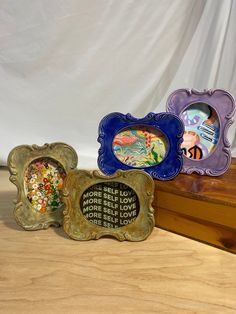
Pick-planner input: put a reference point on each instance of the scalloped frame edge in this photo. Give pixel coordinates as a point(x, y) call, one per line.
point(170, 166)
point(77, 227)
point(207, 166)
point(18, 160)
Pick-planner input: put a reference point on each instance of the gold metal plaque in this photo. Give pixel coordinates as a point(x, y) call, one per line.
point(39, 173)
point(117, 205)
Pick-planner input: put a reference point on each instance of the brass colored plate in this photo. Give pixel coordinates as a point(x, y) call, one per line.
point(39, 173)
point(118, 205)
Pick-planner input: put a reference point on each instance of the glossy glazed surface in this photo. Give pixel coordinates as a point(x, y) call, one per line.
point(156, 150)
point(208, 149)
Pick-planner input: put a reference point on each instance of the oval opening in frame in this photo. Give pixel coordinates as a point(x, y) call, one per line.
point(140, 146)
point(43, 182)
point(110, 204)
point(201, 133)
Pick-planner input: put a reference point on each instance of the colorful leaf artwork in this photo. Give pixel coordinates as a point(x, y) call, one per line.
point(201, 131)
point(140, 146)
point(43, 182)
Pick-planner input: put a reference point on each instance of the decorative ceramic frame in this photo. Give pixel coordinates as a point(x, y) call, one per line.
point(223, 103)
point(170, 125)
point(18, 161)
point(78, 227)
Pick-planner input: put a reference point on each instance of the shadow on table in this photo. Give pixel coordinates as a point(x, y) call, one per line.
point(7, 205)
point(6, 210)
point(60, 232)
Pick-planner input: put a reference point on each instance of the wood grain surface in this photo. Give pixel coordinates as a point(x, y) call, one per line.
point(218, 190)
point(46, 272)
point(199, 207)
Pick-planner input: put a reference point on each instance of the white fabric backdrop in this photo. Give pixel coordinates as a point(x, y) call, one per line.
point(64, 64)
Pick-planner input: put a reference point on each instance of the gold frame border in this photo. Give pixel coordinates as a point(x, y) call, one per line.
point(79, 228)
point(18, 160)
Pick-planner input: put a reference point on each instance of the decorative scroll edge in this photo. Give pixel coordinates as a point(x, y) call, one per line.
point(121, 233)
point(14, 178)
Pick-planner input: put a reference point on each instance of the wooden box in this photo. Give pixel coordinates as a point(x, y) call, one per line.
point(199, 207)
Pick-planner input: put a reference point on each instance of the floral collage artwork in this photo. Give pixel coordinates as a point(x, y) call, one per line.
point(201, 131)
point(43, 183)
point(140, 146)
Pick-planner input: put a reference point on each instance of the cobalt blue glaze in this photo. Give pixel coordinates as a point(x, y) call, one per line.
point(169, 124)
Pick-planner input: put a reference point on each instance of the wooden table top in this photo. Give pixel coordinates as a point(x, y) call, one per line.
point(46, 272)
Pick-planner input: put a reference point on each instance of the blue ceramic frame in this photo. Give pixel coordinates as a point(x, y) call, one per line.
point(169, 124)
point(223, 103)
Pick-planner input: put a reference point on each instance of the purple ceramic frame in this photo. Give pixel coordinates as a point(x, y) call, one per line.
point(223, 103)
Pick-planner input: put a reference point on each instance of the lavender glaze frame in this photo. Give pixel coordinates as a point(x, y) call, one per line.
point(223, 103)
point(169, 124)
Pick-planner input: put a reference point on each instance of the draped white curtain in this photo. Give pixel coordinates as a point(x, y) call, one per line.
point(64, 64)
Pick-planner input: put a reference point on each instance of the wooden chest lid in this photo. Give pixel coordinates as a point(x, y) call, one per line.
point(220, 190)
